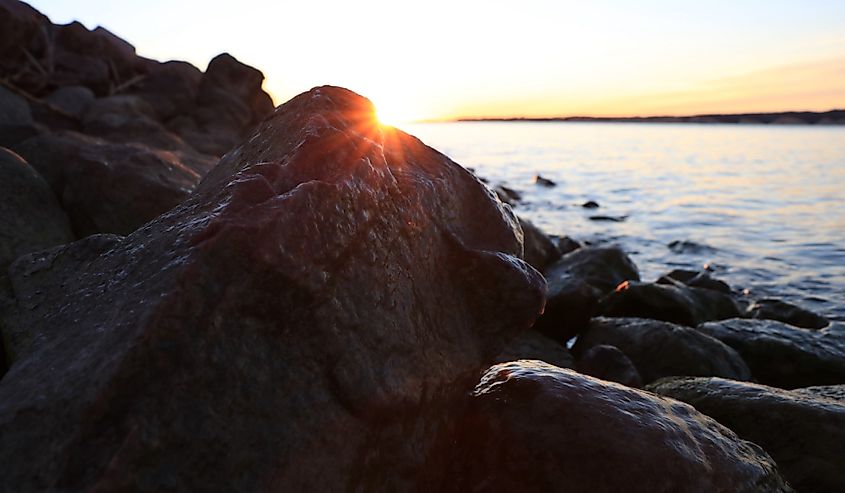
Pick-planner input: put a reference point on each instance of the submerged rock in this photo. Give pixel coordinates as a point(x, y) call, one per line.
point(660, 349)
point(671, 303)
point(544, 182)
point(533, 427)
point(771, 309)
point(108, 187)
point(609, 363)
point(784, 356)
point(804, 433)
point(576, 282)
point(302, 322)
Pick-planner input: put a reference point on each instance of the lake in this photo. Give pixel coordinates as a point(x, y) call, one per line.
point(762, 205)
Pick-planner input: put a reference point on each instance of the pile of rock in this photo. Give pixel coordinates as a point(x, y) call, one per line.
point(320, 310)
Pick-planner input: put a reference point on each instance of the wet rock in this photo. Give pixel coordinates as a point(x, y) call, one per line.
point(543, 182)
point(661, 349)
point(670, 303)
point(771, 309)
point(566, 244)
point(835, 392)
point(610, 219)
point(576, 282)
point(533, 427)
point(540, 250)
point(304, 321)
point(530, 344)
point(16, 122)
point(73, 100)
point(695, 279)
point(609, 363)
point(107, 187)
point(30, 216)
point(784, 356)
point(803, 433)
point(689, 247)
point(590, 204)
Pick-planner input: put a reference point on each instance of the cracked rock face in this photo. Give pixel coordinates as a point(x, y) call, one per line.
point(300, 323)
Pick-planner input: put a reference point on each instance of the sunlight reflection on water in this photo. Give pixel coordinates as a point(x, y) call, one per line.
point(769, 200)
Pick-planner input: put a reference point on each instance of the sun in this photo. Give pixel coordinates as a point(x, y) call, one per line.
point(395, 111)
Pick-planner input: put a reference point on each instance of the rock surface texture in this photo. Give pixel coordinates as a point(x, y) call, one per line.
point(660, 349)
point(784, 356)
point(533, 427)
point(803, 431)
point(300, 323)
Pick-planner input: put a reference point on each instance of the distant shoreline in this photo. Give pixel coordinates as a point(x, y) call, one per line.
point(832, 117)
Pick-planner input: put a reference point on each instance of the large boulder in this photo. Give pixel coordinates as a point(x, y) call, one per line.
point(304, 321)
point(576, 282)
point(784, 356)
point(108, 187)
point(30, 216)
point(803, 432)
point(609, 363)
point(170, 88)
point(668, 302)
point(772, 309)
point(661, 349)
point(130, 119)
point(16, 122)
point(533, 427)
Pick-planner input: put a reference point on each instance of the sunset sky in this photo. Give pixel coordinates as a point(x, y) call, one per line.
point(446, 59)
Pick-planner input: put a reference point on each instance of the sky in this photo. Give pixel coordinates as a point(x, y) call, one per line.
point(532, 58)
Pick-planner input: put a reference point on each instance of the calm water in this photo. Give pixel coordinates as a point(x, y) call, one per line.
point(763, 205)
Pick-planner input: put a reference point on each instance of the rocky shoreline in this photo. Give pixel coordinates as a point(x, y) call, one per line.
point(199, 292)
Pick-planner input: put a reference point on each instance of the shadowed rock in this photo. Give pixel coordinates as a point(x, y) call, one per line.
point(609, 363)
point(531, 344)
point(784, 356)
point(770, 309)
point(695, 279)
point(302, 322)
point(804, 433)
point(532, 427)
point(540, 250)
point(671, 303)
point(661, 349)
point(112, 188)
point(576, 282)
point(16, 122)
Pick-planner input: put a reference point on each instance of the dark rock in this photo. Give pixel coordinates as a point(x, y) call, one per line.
point(566, 244)
point(611, 364)
point(532, 427)
point(507, 195)
point(686, 246)
point(784, 356)
point(107, 187)
point(678, 275)
point(170, 88)
point(611, 219)
point(304, 321)
point(73, 100)
point(576, 282)
point(803, 433)
point(16, 122)
point(540, 250)
point(695, 279)
point(545, 182)
point(530, 344)
point(661, 349)
point(771, 309)
point(835, 392)
point(24, 37)
point(590, 204)
point(670, 303)
point(30, 216)
point(130, 119)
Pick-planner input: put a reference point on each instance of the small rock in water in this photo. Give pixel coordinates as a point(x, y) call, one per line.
point(545, 182)
point(507, 195)
point(686, 246)
point(612, 219)
point(771, 309)
point(590, 204)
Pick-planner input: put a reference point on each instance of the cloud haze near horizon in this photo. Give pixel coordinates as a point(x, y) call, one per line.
point(439, 59)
